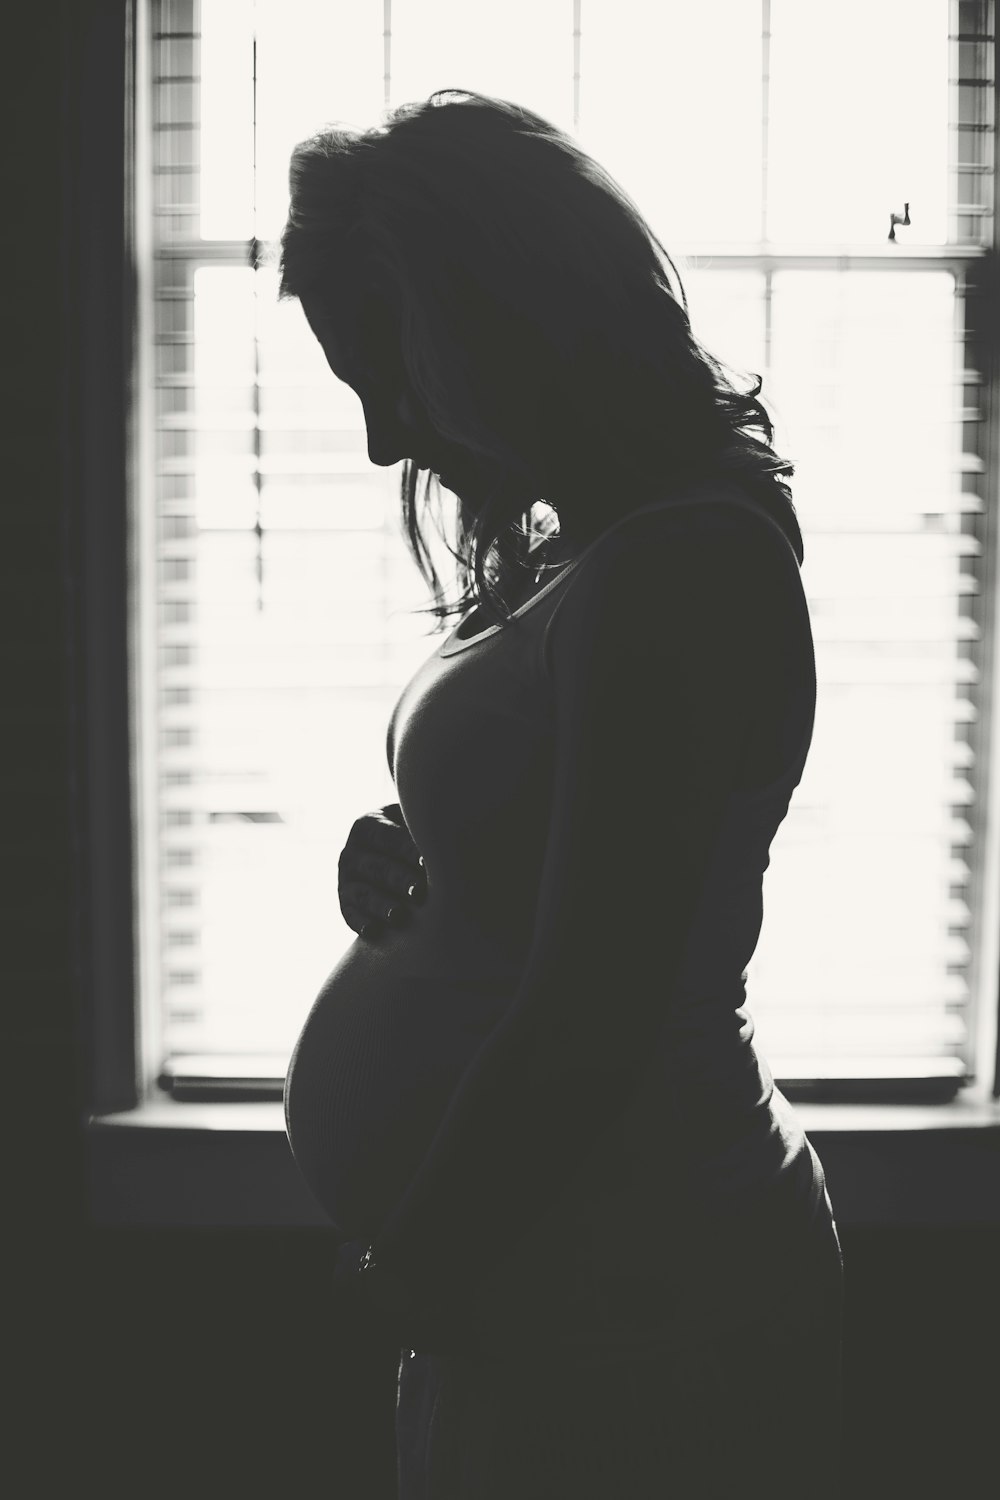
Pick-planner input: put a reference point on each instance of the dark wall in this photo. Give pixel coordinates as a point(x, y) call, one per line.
point(230, 1351)
point(40, 980)
point(154, 1353)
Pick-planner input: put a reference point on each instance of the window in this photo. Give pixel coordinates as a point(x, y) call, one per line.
point(829, 185)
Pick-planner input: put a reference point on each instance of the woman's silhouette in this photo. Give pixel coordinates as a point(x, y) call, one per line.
point(532, 1104)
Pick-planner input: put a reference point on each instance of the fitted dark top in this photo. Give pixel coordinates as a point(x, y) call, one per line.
point(548, 1079)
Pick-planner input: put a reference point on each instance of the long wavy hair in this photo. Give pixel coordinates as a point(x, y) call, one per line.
point(516, 287)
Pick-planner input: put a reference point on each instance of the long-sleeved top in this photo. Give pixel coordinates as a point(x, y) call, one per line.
point(547, 1083)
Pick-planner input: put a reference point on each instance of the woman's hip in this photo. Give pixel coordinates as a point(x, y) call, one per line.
point(760, 1406)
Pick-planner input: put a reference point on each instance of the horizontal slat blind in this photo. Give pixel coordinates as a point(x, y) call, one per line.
point(875, 840)
point(283, 635)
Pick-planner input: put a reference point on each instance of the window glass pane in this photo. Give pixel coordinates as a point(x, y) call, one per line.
point(727, 315)
point(862, 371)
point(863, 368)
point(316, 65)
point(670, 104)
point(227, 176)
point(302, 644)
point(520, 50)
point(222, 441)
point(858, 111)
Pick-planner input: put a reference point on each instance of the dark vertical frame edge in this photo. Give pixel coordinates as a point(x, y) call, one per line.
point(98, 292)
point(993, 416)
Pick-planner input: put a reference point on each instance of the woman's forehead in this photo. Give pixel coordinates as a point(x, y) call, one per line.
point(334, 321)
point(357, 332)
point(339, 334)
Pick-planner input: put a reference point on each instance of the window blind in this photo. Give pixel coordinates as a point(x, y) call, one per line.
point(282, 632)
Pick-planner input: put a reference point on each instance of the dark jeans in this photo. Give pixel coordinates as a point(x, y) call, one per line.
point(753, 1412)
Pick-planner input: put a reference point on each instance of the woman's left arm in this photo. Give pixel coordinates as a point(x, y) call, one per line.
point(663, 652)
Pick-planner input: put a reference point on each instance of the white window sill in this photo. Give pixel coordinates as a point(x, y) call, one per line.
point(172, 1164)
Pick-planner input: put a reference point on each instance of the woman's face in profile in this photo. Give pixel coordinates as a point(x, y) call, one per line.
point(396, 422)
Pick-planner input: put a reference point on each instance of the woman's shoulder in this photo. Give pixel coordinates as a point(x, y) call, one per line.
point(720, 517)
point(716, 562)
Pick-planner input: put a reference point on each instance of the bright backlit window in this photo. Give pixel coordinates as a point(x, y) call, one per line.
point(771, 145)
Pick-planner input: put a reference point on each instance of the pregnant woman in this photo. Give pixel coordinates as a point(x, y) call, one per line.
point(530, 1099)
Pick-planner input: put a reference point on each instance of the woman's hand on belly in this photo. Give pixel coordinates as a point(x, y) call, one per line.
point(380, 872)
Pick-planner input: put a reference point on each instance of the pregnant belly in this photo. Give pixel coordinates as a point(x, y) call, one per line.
point(382, 1051)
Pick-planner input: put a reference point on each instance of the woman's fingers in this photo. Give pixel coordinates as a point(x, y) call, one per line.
point(384, 834)
point(388, 877)
point(362, 907)
point(380, 873)
point(373, 834)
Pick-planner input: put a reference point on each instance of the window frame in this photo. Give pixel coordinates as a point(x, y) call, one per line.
point(145, 1150)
